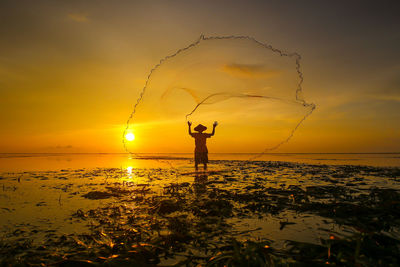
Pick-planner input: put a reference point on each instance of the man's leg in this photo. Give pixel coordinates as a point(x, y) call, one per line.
point(205, 166)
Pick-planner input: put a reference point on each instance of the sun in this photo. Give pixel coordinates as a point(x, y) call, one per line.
point(130, 136)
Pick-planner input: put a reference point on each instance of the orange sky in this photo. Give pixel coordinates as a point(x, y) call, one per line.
point(70, 71)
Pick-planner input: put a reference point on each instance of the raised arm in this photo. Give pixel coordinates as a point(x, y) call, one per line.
point(189, 125)
point(214, 125)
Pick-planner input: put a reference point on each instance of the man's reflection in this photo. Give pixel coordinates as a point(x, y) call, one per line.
point(200, 183)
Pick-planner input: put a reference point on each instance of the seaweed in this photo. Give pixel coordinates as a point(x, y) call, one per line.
point(197, 222)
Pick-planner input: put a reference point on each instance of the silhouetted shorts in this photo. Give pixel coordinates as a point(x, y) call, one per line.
point(200, 157)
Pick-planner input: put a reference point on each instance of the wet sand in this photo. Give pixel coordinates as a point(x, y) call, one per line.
point(239, 212)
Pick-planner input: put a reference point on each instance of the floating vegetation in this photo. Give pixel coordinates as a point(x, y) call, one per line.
point(258, 214)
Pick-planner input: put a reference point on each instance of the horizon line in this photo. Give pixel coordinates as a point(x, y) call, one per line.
point(266, 153)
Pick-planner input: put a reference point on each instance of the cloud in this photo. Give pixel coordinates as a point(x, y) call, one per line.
point(249, 71)
point(78, 17)
point(387, 97)
point(386, 90)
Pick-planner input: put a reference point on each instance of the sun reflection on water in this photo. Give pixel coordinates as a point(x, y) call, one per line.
point(129, 170)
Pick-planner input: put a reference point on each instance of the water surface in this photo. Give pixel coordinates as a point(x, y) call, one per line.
point(58, 161)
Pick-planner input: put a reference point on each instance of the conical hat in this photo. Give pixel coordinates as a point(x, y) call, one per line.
point(200, 128)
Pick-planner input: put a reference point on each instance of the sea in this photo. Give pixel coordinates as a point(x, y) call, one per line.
point(17, 162)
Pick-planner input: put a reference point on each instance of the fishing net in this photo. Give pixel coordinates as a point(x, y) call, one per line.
point(252, 89)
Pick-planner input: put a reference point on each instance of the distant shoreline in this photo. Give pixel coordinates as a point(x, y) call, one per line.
point(216, 153)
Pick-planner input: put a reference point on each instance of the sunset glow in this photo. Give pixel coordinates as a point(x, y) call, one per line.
point(69, 83)
point(130, 136)
point(199, 133)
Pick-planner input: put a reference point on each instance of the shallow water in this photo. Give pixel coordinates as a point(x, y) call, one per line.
point(63, 201)
point(58, 161)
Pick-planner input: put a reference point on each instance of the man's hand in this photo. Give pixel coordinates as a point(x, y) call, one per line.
point(215, 124)
point(189, 123)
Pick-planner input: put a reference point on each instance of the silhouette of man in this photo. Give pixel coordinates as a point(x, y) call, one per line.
point(201, 151)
